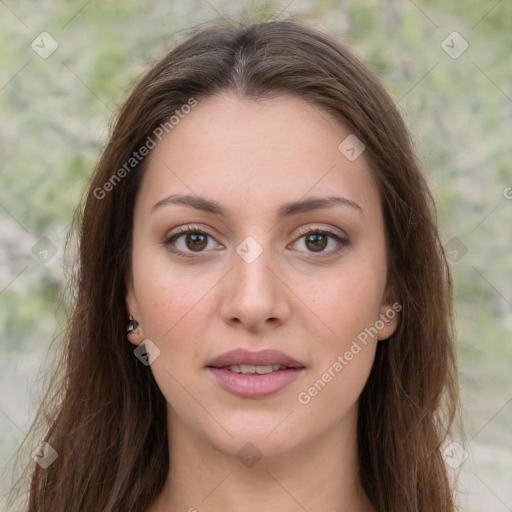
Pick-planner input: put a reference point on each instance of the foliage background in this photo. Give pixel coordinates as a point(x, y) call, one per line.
point(56, 112)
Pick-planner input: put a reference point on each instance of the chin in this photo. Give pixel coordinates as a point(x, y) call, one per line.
point(262, 433)
point(250, 446)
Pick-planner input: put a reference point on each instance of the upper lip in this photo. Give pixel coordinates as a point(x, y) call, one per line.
point(246, 357)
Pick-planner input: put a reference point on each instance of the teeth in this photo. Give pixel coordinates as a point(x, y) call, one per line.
point(261, 370)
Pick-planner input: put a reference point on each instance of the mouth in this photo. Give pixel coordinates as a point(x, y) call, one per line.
point(249, 369)
point(244, 361)
point(254, 374)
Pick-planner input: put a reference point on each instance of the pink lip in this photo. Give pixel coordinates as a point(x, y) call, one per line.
point(255, 385)
point(261, 358)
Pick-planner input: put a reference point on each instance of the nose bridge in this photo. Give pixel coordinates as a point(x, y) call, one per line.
point(254, 296)
point(253, 274)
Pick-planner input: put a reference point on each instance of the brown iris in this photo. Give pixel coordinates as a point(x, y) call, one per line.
point(319, 242)
point(198, 242)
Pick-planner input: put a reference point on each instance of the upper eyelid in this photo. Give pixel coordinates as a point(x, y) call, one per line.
point(183, 230)
point(330, 230)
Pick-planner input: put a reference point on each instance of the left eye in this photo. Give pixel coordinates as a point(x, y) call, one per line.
point(317, 240)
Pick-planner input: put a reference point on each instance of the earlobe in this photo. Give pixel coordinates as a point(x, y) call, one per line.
point(388, 319)
point(134, 331)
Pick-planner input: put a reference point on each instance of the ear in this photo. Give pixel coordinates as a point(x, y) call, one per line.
point(136, 336)
point(389, 314)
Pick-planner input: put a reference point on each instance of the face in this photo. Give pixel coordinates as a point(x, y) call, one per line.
point(258, 274)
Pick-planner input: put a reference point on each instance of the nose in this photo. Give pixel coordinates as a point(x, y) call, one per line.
point(254, 295)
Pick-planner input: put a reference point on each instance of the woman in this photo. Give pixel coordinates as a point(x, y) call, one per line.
point(263, 311)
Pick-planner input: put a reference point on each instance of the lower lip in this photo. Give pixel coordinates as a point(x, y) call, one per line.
point(255, 385)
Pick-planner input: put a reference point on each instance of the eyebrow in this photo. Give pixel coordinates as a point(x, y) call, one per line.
point(286, 210)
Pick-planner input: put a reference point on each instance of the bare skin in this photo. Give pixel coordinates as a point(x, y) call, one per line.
point(253, 157)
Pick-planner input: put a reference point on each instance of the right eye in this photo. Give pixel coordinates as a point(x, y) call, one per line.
point(186, 241)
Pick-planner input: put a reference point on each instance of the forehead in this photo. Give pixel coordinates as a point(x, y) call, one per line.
point(254, 154)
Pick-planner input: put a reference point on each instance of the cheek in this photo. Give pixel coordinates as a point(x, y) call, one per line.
point(169, 295)
point(347, 301)
point(173, 306)
point(349, 306)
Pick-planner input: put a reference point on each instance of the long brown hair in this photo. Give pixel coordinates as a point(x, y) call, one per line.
point(105, 414)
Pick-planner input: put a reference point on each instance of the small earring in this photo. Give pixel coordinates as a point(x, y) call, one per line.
point(132, 325)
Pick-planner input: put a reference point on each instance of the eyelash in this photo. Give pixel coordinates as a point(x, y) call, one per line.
point(170, 239)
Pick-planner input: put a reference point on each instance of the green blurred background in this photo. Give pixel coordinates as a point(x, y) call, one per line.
point(55, 115)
